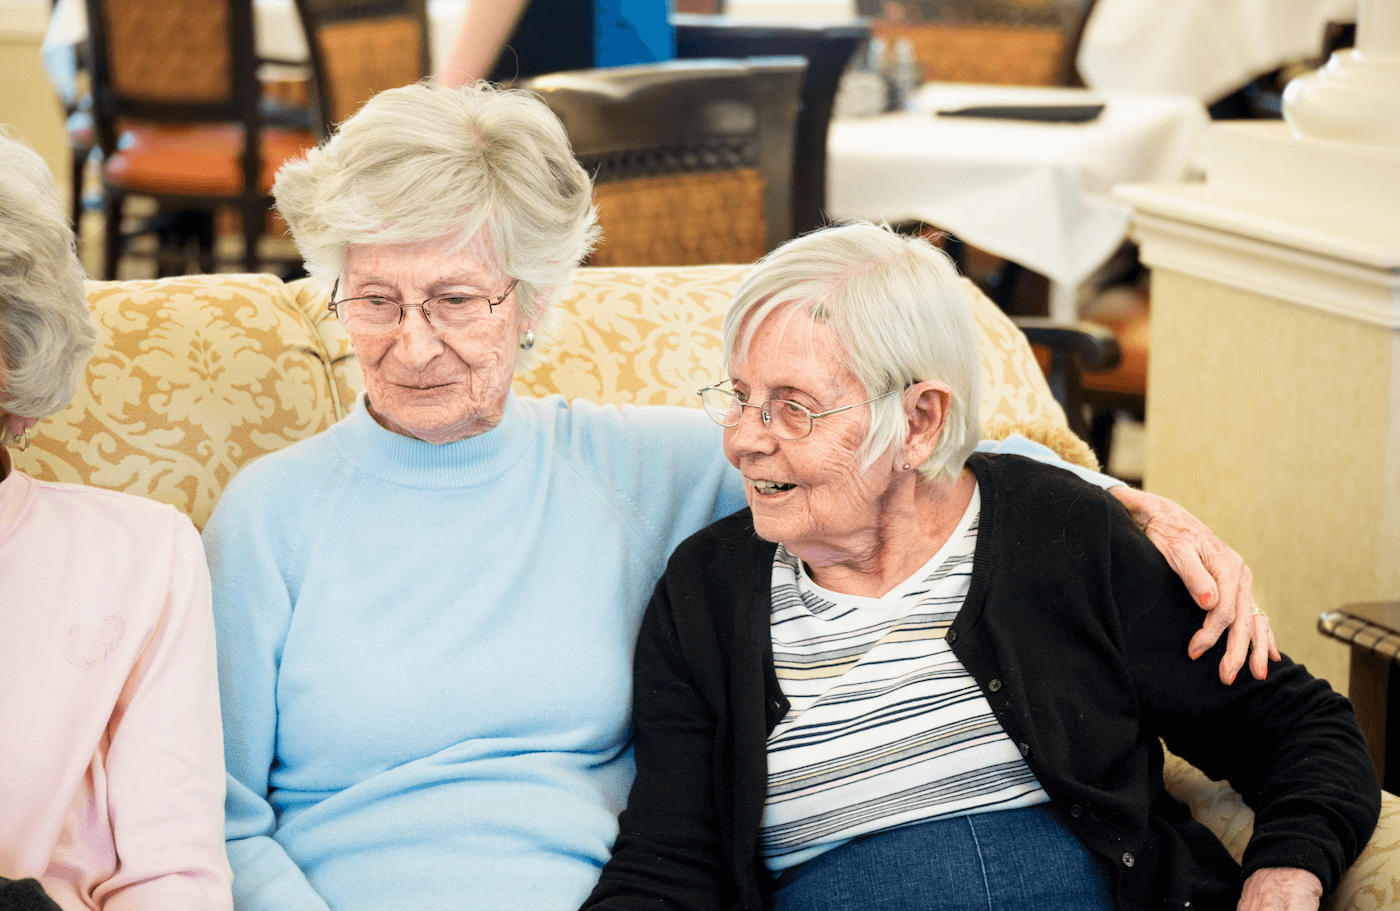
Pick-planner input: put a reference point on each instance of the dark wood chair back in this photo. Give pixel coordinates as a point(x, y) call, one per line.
point(1007, 42)
point(827, 47)
point(692, 159)
point(360, 48)
point(176, 104)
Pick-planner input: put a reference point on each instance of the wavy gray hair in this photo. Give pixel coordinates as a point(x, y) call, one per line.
point(898, 308)
point(47, 332)
point(424, 162)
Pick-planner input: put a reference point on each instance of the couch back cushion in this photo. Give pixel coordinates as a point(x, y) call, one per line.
point(192, 378)
point(651, 336)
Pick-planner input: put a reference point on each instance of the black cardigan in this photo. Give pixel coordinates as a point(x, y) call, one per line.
point(1075, 629)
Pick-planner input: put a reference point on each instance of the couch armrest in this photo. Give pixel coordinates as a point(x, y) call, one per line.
point(1373, 882)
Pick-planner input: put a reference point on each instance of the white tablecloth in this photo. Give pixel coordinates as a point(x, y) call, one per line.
point(1205, 48)
point(1034, 193)
point(279, 34)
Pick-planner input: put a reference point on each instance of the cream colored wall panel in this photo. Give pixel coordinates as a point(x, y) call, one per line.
point(29, 105)
point(1277, 425)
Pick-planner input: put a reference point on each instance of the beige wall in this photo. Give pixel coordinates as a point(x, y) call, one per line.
point(29, 105)
point(1279, 426)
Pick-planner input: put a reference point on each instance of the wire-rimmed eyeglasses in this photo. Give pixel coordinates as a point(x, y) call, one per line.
point(786, 419)
point(449, 312)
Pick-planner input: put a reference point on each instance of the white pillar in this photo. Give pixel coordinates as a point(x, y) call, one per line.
point(1356, 96)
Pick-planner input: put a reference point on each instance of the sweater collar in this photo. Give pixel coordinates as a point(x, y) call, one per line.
point(472, 462)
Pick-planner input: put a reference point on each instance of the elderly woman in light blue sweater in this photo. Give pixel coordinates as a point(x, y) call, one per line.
point(426, 614)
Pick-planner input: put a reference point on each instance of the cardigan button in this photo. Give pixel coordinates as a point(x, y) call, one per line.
point(1128, 860)
point(994, 686)
point(1025, 748)
point(950, 636)
point(1076, 811)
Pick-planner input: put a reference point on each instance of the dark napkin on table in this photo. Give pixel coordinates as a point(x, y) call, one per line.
point(1040, 113)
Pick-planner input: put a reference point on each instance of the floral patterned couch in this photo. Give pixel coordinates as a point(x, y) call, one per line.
point(194, 377)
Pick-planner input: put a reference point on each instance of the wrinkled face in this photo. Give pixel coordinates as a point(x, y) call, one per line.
point(424, 382)
point(811, 495)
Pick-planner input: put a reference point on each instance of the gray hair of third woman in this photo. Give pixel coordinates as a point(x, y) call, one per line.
point(47, 333)
point(901, 314)
point(425, 162)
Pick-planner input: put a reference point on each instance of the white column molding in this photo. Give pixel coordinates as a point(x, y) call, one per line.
point(1186, 229)
point(1356, 96)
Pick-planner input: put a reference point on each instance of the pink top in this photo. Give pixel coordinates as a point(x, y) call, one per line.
point(111, 752)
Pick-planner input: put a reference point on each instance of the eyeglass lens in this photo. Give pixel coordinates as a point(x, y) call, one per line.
point(786, 419)
point(451, 312)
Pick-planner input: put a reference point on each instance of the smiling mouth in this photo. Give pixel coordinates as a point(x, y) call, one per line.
point(423, 387)
point(760, 486)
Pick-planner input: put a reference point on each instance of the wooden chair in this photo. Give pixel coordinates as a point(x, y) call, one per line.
point(359, 48)
point(692, 159)
point(1006, 42)
point(176, 100)
point(827, 48)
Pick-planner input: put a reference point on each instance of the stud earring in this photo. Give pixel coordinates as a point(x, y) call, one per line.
point(528, 341)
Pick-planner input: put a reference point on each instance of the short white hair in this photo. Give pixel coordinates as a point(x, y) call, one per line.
point(900, 313)
point(47, 333)
point(425, 162)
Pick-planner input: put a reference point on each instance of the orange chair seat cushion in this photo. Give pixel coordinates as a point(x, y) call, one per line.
point(197, 161)
point(1135, 338)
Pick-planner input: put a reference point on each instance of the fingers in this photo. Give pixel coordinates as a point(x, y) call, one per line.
point(1218, 580)
point(1244, 642)
point(1217, 621)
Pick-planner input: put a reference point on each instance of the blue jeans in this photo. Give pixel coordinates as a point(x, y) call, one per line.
point(1005, 860)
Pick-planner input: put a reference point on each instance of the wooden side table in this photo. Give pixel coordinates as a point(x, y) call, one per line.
point(1373, 631)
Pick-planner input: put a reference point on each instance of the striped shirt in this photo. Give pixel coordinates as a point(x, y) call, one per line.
point(885, 728)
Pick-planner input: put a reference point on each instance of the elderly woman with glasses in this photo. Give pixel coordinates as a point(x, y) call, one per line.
point(111, 760)
point(909, 676)
point(426, 614)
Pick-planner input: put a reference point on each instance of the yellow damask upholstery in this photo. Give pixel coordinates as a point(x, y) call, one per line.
point(192, 378)
point(1372, 883)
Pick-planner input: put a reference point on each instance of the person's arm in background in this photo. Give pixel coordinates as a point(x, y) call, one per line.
point(165, 777)
point(1216, 576)
point(484, 30)
point(252, 611)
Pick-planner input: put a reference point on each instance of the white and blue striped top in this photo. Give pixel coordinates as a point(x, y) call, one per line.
point(886, 728)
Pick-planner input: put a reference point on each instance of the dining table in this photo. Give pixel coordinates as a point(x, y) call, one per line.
point(990, 165)
point(1205, 48)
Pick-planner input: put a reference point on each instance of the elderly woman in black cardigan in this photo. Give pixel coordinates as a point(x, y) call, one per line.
point(913, 676)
